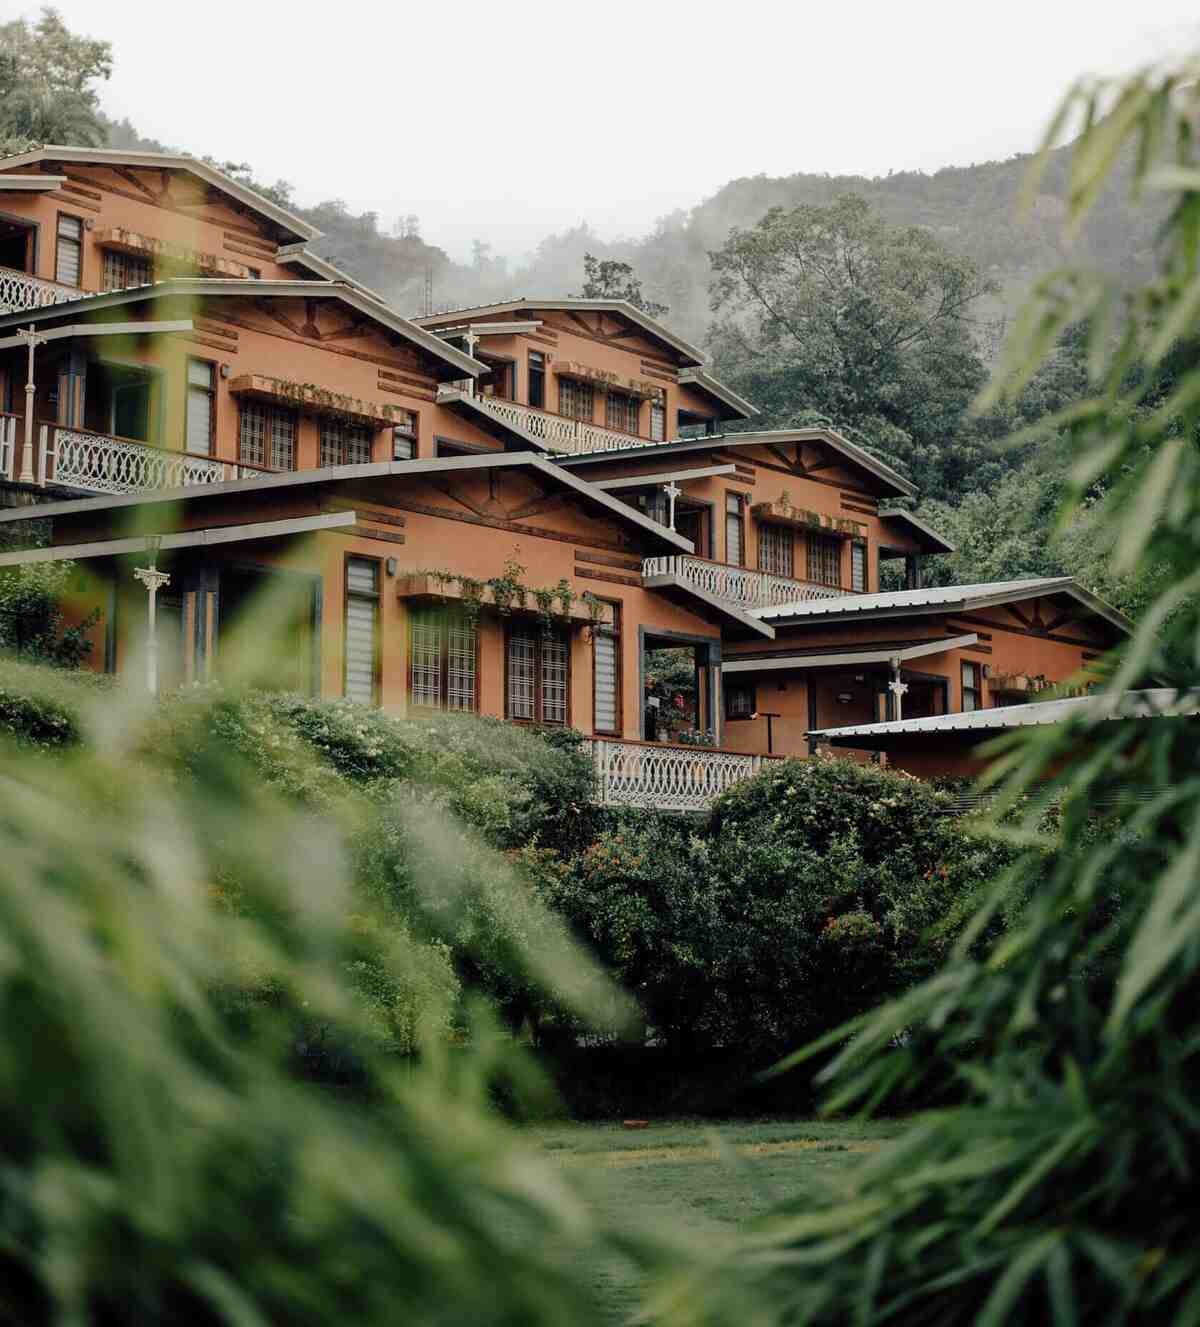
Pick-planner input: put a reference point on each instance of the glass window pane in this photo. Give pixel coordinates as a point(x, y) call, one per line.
point(522, 654)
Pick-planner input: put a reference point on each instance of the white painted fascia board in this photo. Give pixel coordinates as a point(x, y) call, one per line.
point(224, 534)
point(40, 184)
point(665, 477)
point(102, 329)
point(847, 659)
point(670, 581)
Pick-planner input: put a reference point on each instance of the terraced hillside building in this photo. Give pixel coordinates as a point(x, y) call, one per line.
point(521, 509)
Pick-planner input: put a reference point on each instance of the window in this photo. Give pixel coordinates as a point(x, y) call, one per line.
point(824, 559)
point(362, 630)
point(655, 505)
point(201, 406)
point(741, 700)
point(68, 256)
point(575, 399)
point(343, 443)
point(858, 566)
point(972, 687)
point(267, 436)
point(621, 412)
point(404, 435)
point(606, 675)
point(775, 548)
point(538, 670)
point(735, 529)
point(123, 270)
point(537, 379)
point(443, 654)
point(658, 421)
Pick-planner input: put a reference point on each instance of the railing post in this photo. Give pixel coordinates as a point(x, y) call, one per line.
point(43, 449)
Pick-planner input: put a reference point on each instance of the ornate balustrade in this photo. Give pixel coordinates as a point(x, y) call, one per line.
point(666, 778)
point(21, 290)
point(98, 463)
point(556, 431)
point(739, 585)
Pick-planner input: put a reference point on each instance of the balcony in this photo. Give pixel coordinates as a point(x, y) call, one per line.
point(99, 463)
point(742, 586)
point(666, 778)
point(557, 431)
point(20, 290)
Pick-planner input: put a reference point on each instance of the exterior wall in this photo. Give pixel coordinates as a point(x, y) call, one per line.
point(435, 535)
point(604, 342)
point(286, 338)
point(1005, 646)
point(105, 197)
point(840, 493)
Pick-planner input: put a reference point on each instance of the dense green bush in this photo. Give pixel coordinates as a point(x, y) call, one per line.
point(160, 1163)
point(814, 890)
point(40, 708)
point(32, 624)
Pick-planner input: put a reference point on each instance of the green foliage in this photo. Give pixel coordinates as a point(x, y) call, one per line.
point(46, 84)
point(1062, 1190)
point(31, 616)
point(40, 710)
point(814, 890)
point(606, 278)
point(163, 1159)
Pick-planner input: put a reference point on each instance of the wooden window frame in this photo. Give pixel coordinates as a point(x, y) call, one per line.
point(538, 720)
point(413, 438)
point(659, 407)
point(188, 385)
point(767, 534)
point(579, 385)
point(530, 370)
point(377, 666)
point(270, 410)
point(343, 428)
point(443, 664)
point(740, 517)
point(855, 546)
point(976, 689)
point(125, 258)
point(58, 218)
point(813, 564)
point(615, 634)
point(730, 689)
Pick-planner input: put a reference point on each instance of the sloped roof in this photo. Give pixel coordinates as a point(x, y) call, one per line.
point(635, 315)
point(900, 486)
point(1158, 702)
point(705, 382)
point(593, 497)
point(941, 598)
point(931, 540)
point(210, 287)
point(296, 255)
point(103, 156)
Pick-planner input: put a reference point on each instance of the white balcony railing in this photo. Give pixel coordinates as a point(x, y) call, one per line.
point(738, 585)
point(98, 463)
point(666, 778)
point(20, 290)
point(556, 431)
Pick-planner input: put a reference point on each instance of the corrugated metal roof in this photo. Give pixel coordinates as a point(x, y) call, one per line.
point(932, 596)
point(1160, 702)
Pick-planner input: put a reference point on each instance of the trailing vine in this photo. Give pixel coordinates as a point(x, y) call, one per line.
point(510, 592)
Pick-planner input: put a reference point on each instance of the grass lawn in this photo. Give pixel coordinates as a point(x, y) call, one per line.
point(699, 1178)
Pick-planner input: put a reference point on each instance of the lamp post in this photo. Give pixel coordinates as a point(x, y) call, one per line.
point(153, 580)
point(672, 490)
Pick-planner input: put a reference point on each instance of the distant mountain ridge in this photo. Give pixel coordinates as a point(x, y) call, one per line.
point(973, 209)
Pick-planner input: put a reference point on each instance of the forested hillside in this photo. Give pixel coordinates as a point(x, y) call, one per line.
point(892, 366)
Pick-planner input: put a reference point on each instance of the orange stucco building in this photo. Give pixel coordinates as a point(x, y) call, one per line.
point(181, 376)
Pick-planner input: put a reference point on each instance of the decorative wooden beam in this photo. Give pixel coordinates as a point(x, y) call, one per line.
point(1021, 618)
point(264, 306)
point(443, 486)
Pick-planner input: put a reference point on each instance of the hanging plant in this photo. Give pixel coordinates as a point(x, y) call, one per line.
point(545, 603)
point(508, 588)
point(595, 611)
point(472, 598)
point(565, 597)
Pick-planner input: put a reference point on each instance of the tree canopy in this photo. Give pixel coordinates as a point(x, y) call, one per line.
point(47, 84)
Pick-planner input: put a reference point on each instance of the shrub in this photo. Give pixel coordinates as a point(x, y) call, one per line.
point(31, 616)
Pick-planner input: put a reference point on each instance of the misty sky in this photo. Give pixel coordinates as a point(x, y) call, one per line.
point(509, 121)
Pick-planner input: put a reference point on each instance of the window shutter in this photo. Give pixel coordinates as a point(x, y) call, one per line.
point(605, 666)
point(362, 585)
point(858, 566)
point(69, 251)
point(199, 407)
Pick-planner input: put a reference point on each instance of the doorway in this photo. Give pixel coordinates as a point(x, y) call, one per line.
point(123, 400)
point(18, 244)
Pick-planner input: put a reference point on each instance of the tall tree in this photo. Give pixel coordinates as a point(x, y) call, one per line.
point(606, 278)
point(47, 78)
point(829, 310)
